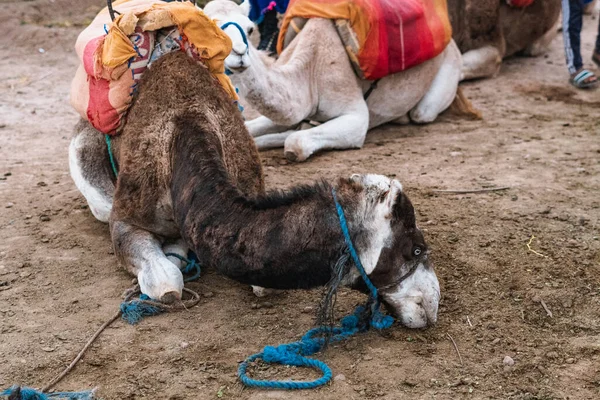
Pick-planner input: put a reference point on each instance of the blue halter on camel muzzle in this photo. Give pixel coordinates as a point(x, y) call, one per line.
point(295, 353)
point(244, 38)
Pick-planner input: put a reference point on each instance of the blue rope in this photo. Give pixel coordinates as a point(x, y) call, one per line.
point(191, 266)
point(313, 341)
point(378, 320)
point(32, 394)
point(110, 156)
point(133, 311)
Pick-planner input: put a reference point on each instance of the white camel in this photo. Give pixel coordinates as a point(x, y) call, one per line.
point(313, 80)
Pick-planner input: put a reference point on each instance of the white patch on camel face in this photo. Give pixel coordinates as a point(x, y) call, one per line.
point(416, 299)
point(99, 204)
point(379, 199)
point(239, 59)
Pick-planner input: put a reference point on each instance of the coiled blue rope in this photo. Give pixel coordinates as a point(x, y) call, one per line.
point(295, 353)
point(133, 311)
point(32, 394)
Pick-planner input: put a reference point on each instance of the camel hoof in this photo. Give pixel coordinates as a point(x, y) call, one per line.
point(290, 156)
point(170, 297)
point(260, 291)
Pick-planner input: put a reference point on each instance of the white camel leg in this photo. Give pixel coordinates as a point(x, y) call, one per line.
point(176, 247)
point(481, 63)
point(443, 88)
point(263, 126)
point(141, 253)
point(86, 167)
point(272, 140)
point(344, 132)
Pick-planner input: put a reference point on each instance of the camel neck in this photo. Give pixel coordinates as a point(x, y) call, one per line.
point(272, 90)
point(284, 240)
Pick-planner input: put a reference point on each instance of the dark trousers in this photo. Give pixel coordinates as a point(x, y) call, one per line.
point(572, 23)
point(597, 48)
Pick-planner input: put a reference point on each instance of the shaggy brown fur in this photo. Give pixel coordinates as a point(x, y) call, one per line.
point(189, 169)
point(477, 23)
point(174, 85)
point(283, 240)
point(521, 27)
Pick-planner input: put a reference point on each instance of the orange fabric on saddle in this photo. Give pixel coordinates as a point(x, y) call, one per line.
point(114, 55)
point(389, 35)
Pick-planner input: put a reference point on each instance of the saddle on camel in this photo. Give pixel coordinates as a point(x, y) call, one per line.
point(168, 197)
point(380, 37)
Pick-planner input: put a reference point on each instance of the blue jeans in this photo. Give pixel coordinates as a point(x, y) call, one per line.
point(572, 23)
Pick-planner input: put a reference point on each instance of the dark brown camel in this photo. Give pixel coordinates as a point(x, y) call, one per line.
point(486, 31)
point(190, 177)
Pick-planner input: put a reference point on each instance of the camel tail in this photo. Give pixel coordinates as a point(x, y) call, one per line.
point(463, 107)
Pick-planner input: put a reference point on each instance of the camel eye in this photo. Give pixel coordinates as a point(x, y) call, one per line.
point(250, 31)
point(417, 251)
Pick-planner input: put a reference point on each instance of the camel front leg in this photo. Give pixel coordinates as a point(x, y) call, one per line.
point(141, 253)
point(272, 140)
point(262, 126)
point(344, 132)
point(481, 63)
point(178, 247)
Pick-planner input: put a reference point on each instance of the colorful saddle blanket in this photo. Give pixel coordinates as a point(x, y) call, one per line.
point(114, 55)
point(519, 3)
point(382, 37)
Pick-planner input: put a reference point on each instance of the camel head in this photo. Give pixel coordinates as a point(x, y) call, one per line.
point(234, 21)
point(403, 272)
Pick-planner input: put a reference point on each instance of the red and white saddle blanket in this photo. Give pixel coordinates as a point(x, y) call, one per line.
point(519, 3)
point(114, 55)
point(381, 37)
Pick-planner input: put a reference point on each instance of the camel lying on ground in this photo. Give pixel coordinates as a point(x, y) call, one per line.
point(486, 31)
point(313, 79)
point(190, 178)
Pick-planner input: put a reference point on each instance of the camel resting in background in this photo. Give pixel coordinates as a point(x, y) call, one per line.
point(313, 79)
point(190, 178)
point(487, 31)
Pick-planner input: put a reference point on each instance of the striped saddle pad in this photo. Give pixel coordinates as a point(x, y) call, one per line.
point(381, 37)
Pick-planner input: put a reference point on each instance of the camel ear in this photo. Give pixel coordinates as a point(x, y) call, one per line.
point(391, 196)
point(245, 7)
point(396, 186)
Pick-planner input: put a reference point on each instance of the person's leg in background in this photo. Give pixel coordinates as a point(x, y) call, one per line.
point(572, 23)
point(269, 31)
point(596, 54)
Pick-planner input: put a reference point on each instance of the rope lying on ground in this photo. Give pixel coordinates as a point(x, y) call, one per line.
point(315, 339)
point(132, 311)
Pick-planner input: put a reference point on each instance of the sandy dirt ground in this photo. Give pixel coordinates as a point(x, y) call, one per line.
point(59, 279)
